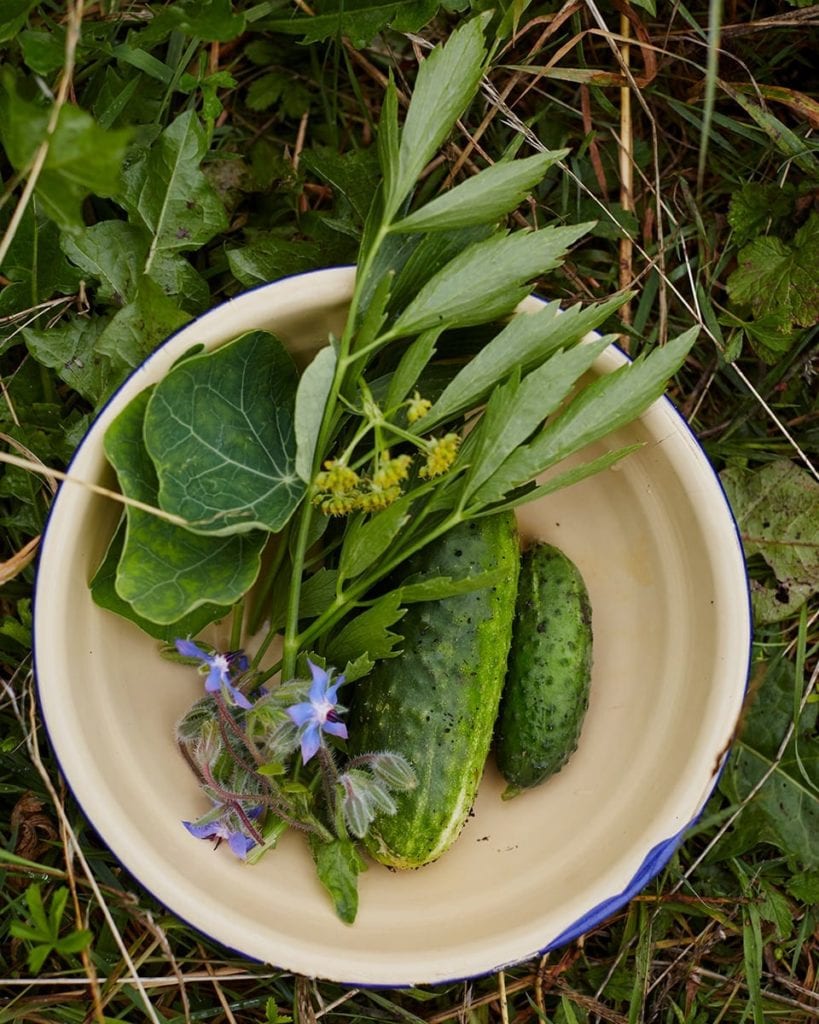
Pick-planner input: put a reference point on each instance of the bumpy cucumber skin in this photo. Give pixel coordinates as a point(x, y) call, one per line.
point(547, 686)
point(437, 702)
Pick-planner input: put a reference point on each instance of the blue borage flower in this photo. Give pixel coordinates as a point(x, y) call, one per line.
point(219, 668)
point(224, 823)
point(319, 713)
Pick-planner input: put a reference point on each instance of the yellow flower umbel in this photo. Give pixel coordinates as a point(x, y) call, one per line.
point(417, 408)
point(385, 486)
point(440, 455)
point(336, 488)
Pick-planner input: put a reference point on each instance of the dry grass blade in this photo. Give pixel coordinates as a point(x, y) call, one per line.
point(13, 566)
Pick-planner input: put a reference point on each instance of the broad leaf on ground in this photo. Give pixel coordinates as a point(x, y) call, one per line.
point(776, 277)
point(785, 812)
point(220, 431)
point(777, 508)
point(165, 571)
point(359, 20)
point(71, 349)
point(165, 190)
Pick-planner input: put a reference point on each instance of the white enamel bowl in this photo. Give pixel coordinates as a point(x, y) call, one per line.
point(657, 545)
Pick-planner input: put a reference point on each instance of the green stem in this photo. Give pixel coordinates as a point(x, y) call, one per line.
point(262, 599)
point(236, 626)
point(292, 640)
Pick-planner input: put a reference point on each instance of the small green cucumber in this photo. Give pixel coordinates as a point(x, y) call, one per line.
point(437, 702)
point(547, 685)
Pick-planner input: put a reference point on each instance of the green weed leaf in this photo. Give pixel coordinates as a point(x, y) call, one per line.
point(82, 159)
point(13, 17)
point(484, 198)
point(359, 20)
point(269, 257)
point(166, 192)
point(785, 812)
point(71, 349)
point(220, 431)
point(112, 253)
point(136, 330)
point(487, 280)
point(165, 572)
point(774, 277)
point(777, 508)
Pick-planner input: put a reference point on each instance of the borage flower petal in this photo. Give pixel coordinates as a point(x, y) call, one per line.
point(319, 713)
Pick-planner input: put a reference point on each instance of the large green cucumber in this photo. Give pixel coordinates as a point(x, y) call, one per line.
point(437, 702)
point(547, 686)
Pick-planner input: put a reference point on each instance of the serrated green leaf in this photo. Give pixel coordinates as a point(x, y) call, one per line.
point(104, 593)
point(219, 429)
point(35, 265)
point(756, 205)
point(317, 592)
point(773, 277)
point(446, 82)
point(609, 402)
point(487, 280)
point(353, 176)
point(75, 942)
point(111, 252)
point(537, 397)
point(177, 278)
point(484, 198)
point(368, 633)
point(209, 20)
point(777, 508)
point(366, 540)
point(412, 364)
point(165, 191)
point(560, 481)
point(358, 668)
point(338, 865)
point(311, 397)
point(525, 342)
point(165, 571)
point(388, 138)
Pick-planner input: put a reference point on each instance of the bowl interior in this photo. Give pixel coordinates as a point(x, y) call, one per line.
point(657, 546)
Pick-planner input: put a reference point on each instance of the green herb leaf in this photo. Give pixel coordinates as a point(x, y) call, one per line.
point(412, 364)
point(777, 508)
point(339, 864)
point(609, 402)
point(484, 198)
point(104, 593)
point(167, 193)
point(311, 397)
point(487, 280)
point(774, 277)
point(526, 341)
point(219, 429)
point(754, 206)
point(366, 540)
point(317, 592)
point(446, 82)
point(369, 633)
point(438, 588)
point(35, 265)
point(509, 421)
point(165, 571)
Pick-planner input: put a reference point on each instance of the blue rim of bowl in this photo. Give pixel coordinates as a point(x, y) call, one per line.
point(653, 862)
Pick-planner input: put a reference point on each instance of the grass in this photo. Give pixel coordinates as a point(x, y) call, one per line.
point(669, 118)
